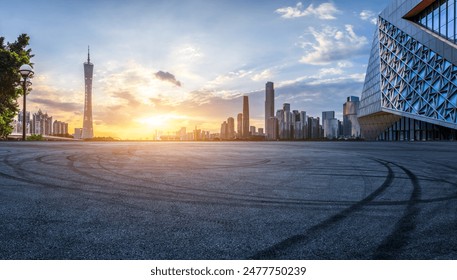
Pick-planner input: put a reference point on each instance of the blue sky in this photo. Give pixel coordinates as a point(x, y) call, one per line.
point(314, 51)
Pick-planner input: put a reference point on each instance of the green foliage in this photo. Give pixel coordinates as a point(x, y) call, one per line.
point(35, 137)
point(12, 57)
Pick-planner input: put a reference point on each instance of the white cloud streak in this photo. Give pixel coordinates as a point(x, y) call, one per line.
point(325, 11)
point(332, 45)
point(368, 15)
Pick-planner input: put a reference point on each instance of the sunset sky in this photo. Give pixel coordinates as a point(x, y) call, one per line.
point(161, 65)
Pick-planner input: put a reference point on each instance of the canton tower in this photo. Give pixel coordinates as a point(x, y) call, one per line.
point(88, 130)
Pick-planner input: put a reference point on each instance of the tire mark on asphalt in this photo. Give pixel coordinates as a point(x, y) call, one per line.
point(188, 195)
point(398, 239)
point(275, 251)
point(157, 194)
point(222, 195)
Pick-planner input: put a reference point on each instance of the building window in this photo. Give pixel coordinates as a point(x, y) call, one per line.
point(439, 17)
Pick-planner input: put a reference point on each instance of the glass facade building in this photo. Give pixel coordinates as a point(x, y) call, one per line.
point(410, 90)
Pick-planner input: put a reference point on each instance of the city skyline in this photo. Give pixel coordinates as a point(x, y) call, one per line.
point(180, 72)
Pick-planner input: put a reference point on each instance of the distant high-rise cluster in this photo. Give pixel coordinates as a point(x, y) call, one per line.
point(41, 124)
point(287, 124)
point(296, 125)
point(184, 135)
point(244, 130)
point(293, 125)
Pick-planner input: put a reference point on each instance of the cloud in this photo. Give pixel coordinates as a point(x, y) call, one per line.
point(368, 15)
point(262, 76)
point(227, 79)
point(130, 98)
point(55, 105)
point(190, 52)
point(168, 77)
point(325, 11)
point(325, 76)
point(332, 45)
point(331, 71)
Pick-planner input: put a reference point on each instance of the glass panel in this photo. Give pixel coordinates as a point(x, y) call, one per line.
point(443, 10)
point(436, 19)
point(429, 21)
point(443, 19)
point(451, 30)
point(423, 20)
point(451, 11)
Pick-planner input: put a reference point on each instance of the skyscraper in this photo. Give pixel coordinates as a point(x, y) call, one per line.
point(351, 127)
point(274, 132)
point(410, 90)
point(269, 106)
point(287, 124)
point(230, 128)
point(88, 130)
point(223, 134)
point(245, 117)
point(239, 124)
point(327, 116)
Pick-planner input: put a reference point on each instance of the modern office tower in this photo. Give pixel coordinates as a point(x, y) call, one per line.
point(340, 128)
point(252, 131)
point(260, 131)
point(410, 90)
point(78, 133)
point(327, 115)
point(223, 134)
point(297, 126)
point(351, 127)
point(331, 128)
point(88, 130)
point(304, 123)
point(41, 123)
point(286, 127)
point(314, 129)
point(20, 117)
point(18, 126)
point(239, 124)
point(58, 128)
point(273, 134)
point(281, 123)
point(269, 104)
point(245, 117)
point(230, 128)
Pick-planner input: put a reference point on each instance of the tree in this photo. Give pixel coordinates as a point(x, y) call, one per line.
point(12, 57)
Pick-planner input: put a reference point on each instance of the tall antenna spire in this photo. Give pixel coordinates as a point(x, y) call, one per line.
point(88, 54)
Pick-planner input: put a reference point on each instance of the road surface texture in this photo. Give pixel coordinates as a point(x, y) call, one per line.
point(334, 200)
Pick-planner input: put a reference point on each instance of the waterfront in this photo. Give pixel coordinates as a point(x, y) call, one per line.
point(228, 200)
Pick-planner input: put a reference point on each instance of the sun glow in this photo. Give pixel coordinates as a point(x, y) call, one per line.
point(166, 121)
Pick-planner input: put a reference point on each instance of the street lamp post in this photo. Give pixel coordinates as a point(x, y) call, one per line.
point(26, 71)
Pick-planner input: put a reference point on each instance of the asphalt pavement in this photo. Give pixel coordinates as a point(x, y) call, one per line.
point(228, 200)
